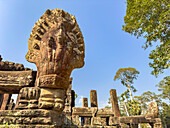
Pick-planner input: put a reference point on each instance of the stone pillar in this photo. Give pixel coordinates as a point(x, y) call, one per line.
point(93, 98)
point(1, 99)
point(115, 106)
point(6, 100)
point(0, 58)
point(17, 102)
point(11, 104)
point(85, 104)
point(72, 98)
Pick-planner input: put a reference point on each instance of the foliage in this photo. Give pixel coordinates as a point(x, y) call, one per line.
point(134, 107)
point(148, 18)
point(161, 58)
point(122, 107)
point(126, 76)
point(146, 98)
point(164, 87)
point(76, 95)
point(165, 114)
point(108, 106)
point(164, 108)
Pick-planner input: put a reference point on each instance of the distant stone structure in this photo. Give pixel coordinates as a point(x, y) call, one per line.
point(45, 97)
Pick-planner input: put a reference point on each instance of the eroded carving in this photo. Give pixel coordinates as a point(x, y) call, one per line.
point(56, 46)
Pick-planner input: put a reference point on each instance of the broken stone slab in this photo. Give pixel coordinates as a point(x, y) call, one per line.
point(26, 113)
point(104, 113)
point(31, 117)
point(84, 111)
point(96, 121)
point(130, 120)
point(12, 81)
point(27, 126)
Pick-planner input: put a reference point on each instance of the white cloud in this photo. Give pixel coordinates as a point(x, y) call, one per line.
point(79, 101)
point(102, 104)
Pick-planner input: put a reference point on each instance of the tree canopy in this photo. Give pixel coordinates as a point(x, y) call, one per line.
point(127, 77)
point(149, 19)
point(161, 58)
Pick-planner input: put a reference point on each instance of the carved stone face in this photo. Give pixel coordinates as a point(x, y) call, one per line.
point(56, 45)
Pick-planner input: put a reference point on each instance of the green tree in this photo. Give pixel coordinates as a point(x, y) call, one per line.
point(150, 19)
point(164, 88)
point(161, 58)
point(164, 108)
point(146, 98)
point(127, 76)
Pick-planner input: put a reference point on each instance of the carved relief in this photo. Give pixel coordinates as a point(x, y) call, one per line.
point(52, 99)
point(28, 98)
point(56, 45)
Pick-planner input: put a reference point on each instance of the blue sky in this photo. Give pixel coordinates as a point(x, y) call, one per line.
point(107, 47)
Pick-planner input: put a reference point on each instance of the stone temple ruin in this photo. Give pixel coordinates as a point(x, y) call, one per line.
point(45, 98)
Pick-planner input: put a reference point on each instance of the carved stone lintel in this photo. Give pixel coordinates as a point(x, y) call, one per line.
point(53, 81)
point(12, 81)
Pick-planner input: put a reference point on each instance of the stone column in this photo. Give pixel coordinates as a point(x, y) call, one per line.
point(115, 106)
point(17, 102)
point(1, 99)
point(0, 58)
point(85, 104)
point(72, 98)
point(93, 98)
point(6, 100)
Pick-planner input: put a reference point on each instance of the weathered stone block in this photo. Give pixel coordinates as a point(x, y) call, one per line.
point(12, 81)
point(75, 120)
point(114, 101)
point(114, 121)
point(104, 113)
point(96, 121)
point(84, 111)
point(93, 98)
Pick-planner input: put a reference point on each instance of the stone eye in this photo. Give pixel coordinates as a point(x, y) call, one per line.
point(36, 46)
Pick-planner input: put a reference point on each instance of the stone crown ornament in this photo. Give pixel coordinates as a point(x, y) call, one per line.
point(56, 46)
